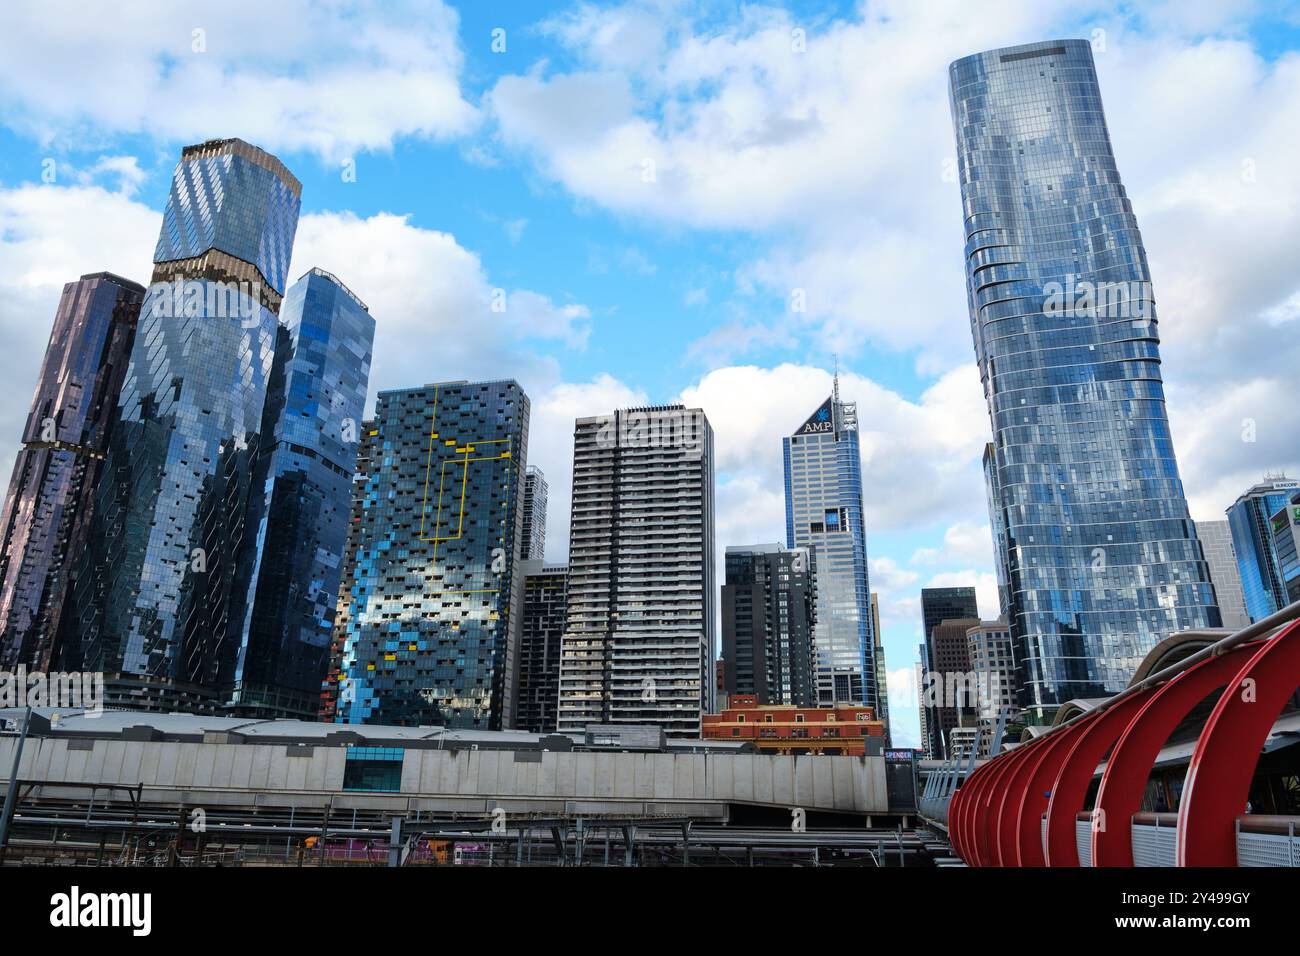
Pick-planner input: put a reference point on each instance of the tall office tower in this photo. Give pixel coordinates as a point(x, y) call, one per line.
point(639, 636)
point(436, 587)
point(329, 689)
point(1216, 541)
point(882, 670)
point(156, 598)
point(541, 628)
point(939, 605)
point(1285, 529)
point(310, 429)
point(823, 511)
point(47, 511)
point(993, 665)
point(1250, 519)
point(951, 673)
point(532, 545)
point(769, 609)
point(924, 745)
point(1103, 557)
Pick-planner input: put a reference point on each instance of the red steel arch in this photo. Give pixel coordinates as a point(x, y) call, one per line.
point(1034, 796)
point(961, 824)
point(1004, 817)
point(985, 807)
point(1218, 779)
point(1070, 788)
point(1130, 763)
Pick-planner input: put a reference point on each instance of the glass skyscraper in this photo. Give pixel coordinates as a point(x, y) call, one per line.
point(1250, 519)
point(532, 545)
point(823, 511)
point(156, 595)
point(1102, 556)
point(435, 582)
point(293, 562)
point(47, 511)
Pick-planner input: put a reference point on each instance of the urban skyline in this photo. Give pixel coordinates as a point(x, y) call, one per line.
point(896, 556)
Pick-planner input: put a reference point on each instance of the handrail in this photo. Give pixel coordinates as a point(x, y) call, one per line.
point(1289, 613)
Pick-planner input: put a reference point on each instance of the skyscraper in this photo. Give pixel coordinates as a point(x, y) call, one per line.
point(435, 586)
point(155, 597)
point(939, 605)
point(993, 666)
point(1221, 556)
point(310, 429)
point(51, 496)
point(639, 636)
point(541, 629)
point(769, 609)
point(950, 674)
point(532, 545)
point(1285, 528)
point(329, 691)
point(1252, 538)
point(882, 670)
point(1102, 555)
point(823, 510)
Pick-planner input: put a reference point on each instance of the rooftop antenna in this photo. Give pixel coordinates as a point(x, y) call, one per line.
point(835, 392)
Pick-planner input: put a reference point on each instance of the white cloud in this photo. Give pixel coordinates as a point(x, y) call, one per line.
point(434, 305)
point(964, 542)
point(293, 75)
point(839, 159)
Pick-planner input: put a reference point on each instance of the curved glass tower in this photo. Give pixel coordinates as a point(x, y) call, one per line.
point(1102, 557)
point(155, 601)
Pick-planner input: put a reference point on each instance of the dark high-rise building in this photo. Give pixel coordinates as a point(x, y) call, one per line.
point(310, 429)
point(769, 610)
point(51, 496)
point(1103, 558)
point(823, 511)
point(329, 692)
point(541, 629)
point(939, 605)
point(946, 604)
point(435, 588)
point(950, 671)
point(156, 600)
point(532, 545)
point(1252, 538)
point(639, 635)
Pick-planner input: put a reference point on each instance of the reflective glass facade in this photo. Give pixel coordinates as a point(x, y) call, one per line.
point(1102, 557)
point(310, 426)
point(47, 511)
point(435, 584)
point(157, 593)
point(1250, 519)
point(823, 511)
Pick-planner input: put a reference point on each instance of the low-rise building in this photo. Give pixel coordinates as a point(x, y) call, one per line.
point(846, 729)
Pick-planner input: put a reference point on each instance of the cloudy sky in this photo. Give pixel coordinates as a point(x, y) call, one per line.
point(653, 184)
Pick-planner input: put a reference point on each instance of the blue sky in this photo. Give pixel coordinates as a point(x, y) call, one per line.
point(652, 184)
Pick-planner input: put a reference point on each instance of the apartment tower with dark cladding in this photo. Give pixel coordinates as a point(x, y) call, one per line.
point(1101, 552)
point(47, 511)
point(293, 562)
point(155, 601)
point(435, 585)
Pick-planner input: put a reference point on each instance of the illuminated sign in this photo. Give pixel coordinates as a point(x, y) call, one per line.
point(821, 421)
